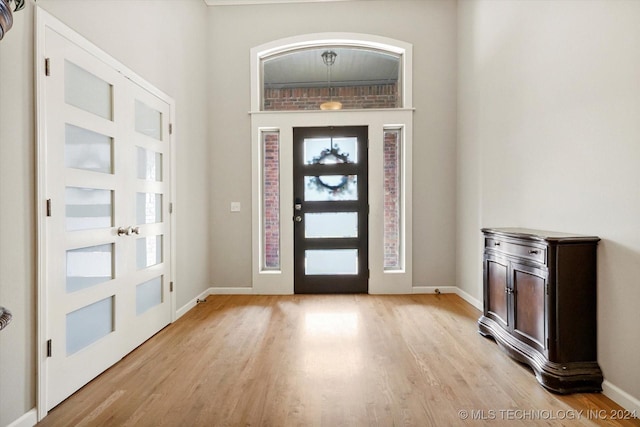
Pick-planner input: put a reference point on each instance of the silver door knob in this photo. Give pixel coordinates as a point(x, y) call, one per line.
point(135, 230)
point(122, 231)
point(297, 218)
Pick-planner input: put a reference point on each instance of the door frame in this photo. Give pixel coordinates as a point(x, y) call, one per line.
point(45, 21)
point(358, 283)
point(281, 280)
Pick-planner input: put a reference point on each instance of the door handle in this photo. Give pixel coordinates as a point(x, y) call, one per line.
point(297, 218)
point(128, 231)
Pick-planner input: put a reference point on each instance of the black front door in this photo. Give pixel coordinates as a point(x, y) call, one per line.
point(330, 210)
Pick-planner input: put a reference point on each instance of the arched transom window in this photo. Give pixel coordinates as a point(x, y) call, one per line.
point(331, 77)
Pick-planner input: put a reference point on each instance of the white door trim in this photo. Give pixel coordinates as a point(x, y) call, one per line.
point(45, 21)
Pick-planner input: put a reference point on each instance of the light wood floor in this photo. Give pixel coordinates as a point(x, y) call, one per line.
point(351, 360)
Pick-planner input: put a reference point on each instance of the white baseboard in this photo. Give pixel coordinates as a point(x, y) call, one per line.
point(433, 289)
point(231, 291)
point(212, 291)
point(188, 306)
point(27, 420)
point(468, 298)
point(621, 397)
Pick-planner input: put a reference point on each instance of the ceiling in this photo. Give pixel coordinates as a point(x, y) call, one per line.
point(353, 66)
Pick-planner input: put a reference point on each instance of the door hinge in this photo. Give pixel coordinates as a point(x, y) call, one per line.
point(47, 70)
point(547, 288)
point(48, 348)
point(368, 273)
point(170, 128)
point(547, 342)
point(170, 286)
point(170, 207)
point(48, 207)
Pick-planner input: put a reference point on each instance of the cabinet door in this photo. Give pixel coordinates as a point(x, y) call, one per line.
point(530, 306)
point(496, 273)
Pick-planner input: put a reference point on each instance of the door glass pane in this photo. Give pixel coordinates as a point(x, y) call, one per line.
point(89, 266)
point(271, 199)
point(88, 208)
point(148, 208)
point(392, 199)
point(148, 251)
point(148, 121)
point(331, 261)
point(331, 224)
point(148, 295)
point(330, 151)
point(86, 91)
point(330, 187)
point(149, 165)
point(84, 149)
point(88, 324)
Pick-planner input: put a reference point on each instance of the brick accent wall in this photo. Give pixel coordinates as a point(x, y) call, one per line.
point(391, 199)
point(271, 194)
point(352, 97)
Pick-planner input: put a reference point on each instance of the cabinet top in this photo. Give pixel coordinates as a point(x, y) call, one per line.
point(530, 234)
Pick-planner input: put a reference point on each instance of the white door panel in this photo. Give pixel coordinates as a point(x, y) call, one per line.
point(107, 256)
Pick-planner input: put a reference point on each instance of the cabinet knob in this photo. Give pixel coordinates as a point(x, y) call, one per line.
point(496, 244)
point(533, 252)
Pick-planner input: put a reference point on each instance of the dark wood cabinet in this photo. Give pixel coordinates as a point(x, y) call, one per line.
point(540, 304)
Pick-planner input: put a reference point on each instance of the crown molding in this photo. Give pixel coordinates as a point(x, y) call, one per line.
point(253, 2)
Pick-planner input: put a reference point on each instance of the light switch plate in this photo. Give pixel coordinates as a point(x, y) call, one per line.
point(235, 206)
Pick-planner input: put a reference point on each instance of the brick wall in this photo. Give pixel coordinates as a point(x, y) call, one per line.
point(271, 194)
point(392, 199)
point(352, 97)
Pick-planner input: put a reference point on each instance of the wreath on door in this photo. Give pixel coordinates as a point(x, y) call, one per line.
point(344, 184)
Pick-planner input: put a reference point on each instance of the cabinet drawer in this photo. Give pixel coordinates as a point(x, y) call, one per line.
point(522, 250)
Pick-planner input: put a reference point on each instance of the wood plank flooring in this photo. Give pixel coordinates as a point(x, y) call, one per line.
point(325, 360)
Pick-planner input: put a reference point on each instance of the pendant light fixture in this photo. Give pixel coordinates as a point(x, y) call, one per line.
point(329, 58)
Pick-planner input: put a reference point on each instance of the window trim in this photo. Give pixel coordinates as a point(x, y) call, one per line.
point(381, 281)
point(317, 40)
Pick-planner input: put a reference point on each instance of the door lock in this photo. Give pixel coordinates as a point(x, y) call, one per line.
point(297, 218)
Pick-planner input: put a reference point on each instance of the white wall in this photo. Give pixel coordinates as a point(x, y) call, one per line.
point(163, 41)
point(17, 219)
point(429, 25)
point(549, 137)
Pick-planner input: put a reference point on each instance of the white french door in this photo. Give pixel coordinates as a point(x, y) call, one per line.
point(105, 239)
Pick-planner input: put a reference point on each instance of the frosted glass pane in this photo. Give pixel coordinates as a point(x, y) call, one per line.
point(88, 208)
point(330, 188)
point(148, 208)
point(148, 251)
point(331, 224)
point(330, 151)
point(148, 121)
point(331, 261)
point(86, 91)
point(149, 165)
point(88, 324)
point(88, 267)
point(84, 149)
point(148, 295)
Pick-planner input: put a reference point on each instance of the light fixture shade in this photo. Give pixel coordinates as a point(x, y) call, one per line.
point(331, 105)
